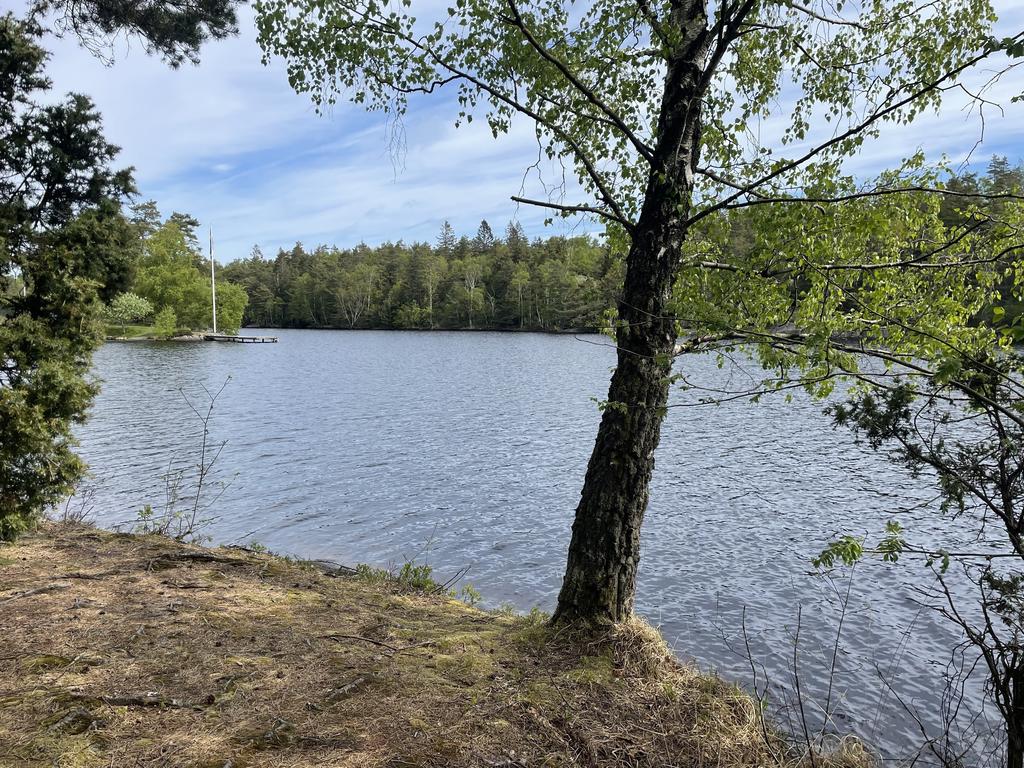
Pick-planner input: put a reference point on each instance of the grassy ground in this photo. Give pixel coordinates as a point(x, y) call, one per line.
point(130, 332)
point(123, 650)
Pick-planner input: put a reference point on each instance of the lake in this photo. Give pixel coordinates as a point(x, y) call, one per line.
point(469, 449)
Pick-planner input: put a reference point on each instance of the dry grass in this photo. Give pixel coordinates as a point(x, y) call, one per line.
point(120, 650)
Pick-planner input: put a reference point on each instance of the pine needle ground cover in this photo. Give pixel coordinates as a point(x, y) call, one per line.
point(126, 650)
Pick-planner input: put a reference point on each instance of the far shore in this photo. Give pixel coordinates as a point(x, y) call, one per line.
point(201, 335)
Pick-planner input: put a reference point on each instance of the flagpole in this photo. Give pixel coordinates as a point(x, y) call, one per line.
point(213, 283)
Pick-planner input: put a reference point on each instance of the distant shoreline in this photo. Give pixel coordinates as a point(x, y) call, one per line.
point(549, 331)
point(201, 337)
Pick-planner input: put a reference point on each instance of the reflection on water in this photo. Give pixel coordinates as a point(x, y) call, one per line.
point(469, 449)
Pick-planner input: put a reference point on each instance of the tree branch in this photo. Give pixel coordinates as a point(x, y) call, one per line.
point(574, 209)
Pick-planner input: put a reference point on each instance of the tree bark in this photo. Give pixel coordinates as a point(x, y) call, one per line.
point(1015, 721)
point(600, 577)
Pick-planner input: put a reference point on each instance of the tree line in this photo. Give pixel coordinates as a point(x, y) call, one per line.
point(483, 281)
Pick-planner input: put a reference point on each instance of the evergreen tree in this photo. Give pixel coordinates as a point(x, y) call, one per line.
point(446, 240)
point(484, 240)
point(515, 239)
point(64, 246)
point(170, 29)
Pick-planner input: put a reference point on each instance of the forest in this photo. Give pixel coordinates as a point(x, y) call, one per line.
point(475, 282)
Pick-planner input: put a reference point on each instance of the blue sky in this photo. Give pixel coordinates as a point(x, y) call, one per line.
point(229, 142)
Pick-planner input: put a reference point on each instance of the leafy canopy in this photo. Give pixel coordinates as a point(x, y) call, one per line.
point(171, 273)
point(820, 288)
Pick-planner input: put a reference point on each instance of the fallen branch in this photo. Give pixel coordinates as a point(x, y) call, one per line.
point(80, 575)
point(331, 568)
point(393, 649)
point(148, 700)
point(344, 691)
point(174, 559)
point(36, 591)
point(185, 585)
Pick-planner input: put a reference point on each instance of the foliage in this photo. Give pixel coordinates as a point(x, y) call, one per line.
point(167, 276)
point(169, 29)
point(170, 272)
point(231, 302)
point(812, 289)
point(459, 283)
point(166, 323)
point(412, 577)
point(418, 577)
point(64, 246)
point(128, 308)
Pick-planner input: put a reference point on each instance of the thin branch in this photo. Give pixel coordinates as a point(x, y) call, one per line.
point(574, 209)
point(766, 200)
point(828, 20)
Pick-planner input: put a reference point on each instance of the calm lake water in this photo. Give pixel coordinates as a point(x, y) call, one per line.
point(469, 449)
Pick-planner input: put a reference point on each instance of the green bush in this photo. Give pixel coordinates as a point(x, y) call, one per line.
point(166, 322)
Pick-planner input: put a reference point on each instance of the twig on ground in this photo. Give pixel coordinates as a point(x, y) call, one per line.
point(36, 591)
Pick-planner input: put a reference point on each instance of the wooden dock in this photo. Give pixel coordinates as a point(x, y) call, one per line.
point(240, 339)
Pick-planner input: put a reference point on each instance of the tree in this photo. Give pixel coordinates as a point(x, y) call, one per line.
point(188, 224)
point(516, 240)
point(354, 293)
point(471, 272)
point(446, 240)
point(146, 217)
point(651, 104)
point(519, 283)
point(231, 302)
point(434, 269)
point(128, 308)
point(64, 247)
point(166, 323)
point(484, 239)
point(167, 276)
